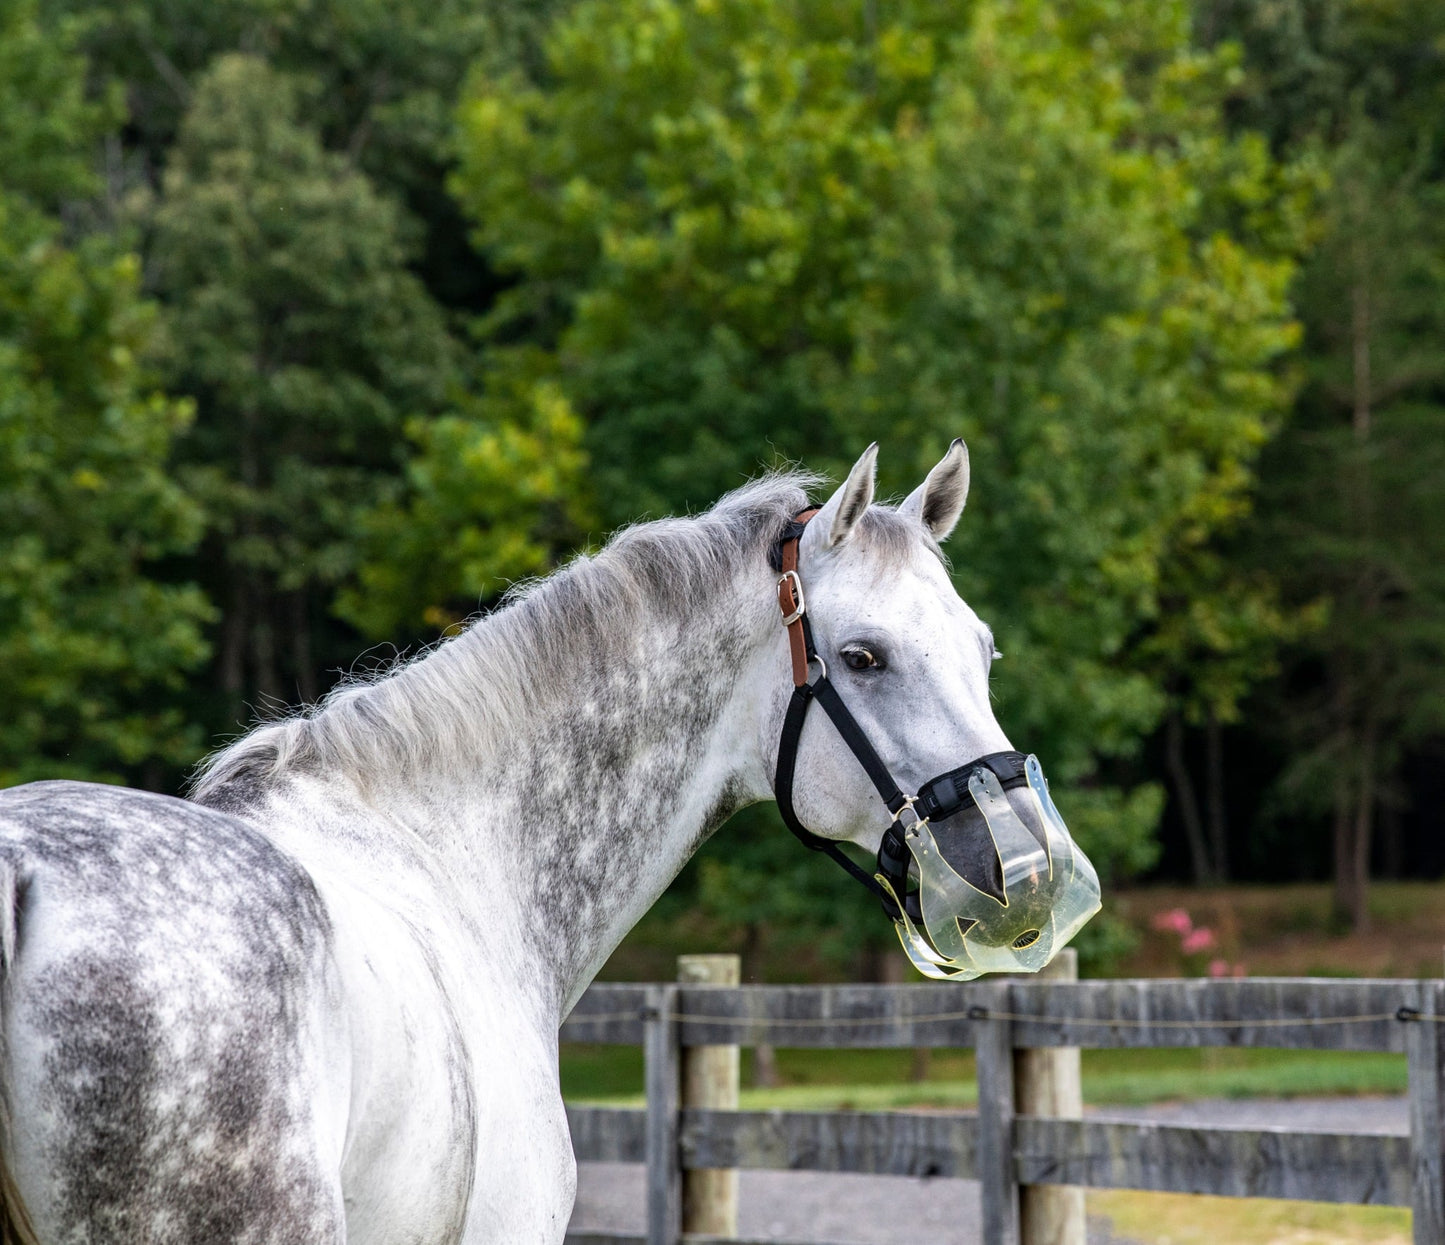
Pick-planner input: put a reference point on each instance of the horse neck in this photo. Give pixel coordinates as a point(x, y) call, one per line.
point(590, 801)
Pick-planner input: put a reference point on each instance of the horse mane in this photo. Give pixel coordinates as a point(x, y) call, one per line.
point(446, 703)
point(470, 683)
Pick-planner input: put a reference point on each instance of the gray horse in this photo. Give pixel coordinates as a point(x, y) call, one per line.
point(319, 1001)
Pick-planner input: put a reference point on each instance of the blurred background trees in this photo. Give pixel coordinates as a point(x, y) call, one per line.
point(323, 320)
point(1351, 511)
point(94, 649)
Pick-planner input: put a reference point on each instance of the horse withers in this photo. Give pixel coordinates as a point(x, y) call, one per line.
point(319, 1001)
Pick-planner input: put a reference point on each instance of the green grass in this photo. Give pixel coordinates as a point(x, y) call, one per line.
point(1189, 1219)
point(875, 1080)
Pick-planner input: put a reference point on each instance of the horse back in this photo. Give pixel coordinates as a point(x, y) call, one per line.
point(168, 1013)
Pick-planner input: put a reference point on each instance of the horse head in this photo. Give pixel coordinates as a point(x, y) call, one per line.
point(906, 760)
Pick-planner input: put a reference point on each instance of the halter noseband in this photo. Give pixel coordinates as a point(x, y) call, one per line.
point(939, 797)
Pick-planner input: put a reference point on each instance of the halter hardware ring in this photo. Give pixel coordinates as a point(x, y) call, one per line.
point(909, 805)
point(795, 586)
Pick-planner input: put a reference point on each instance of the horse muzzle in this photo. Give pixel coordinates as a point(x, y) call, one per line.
point(1036, 888)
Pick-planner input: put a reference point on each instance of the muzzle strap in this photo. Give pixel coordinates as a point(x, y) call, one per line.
point(847, 726)
point(943, 796)
point(798, 706)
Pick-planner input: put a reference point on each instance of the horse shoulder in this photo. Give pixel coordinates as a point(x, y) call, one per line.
point(455, 1115)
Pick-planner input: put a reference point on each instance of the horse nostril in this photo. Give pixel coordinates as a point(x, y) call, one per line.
point(1026, 939)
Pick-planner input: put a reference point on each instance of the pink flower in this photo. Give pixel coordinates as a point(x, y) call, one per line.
point(1219, 968)
point(1176, 920)
point(1197, 940)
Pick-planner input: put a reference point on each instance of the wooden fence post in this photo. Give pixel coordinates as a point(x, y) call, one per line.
point(997, 1170)
point(1426, 1046)
point(1049, 1082)
point(710, 1079)
point(661, 1076)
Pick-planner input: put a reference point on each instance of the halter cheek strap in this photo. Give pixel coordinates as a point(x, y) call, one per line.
point(807, 686)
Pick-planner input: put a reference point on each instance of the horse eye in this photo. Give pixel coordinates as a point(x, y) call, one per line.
point(859, 658)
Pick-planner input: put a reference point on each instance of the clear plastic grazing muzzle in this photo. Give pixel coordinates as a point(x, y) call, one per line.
point(1049, 889)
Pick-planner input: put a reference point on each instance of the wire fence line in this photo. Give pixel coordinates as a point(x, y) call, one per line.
point(1402, 1015)
point(1317, 1013)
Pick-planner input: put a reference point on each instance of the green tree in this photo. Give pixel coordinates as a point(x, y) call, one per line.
point(1352, 515)
point(494, 493)
point(382, 79)
point(92, 645)
point(1356, 509)
point(323, 352)
point(739, 225)
point(294, 324)
point(340, 443)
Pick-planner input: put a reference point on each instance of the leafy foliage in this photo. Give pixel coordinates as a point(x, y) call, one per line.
point(710, 234)
point(305, 342)
point(493, 495)
point(737, 223)
point(88, 637)
point(380, 76)
point(1352, 519)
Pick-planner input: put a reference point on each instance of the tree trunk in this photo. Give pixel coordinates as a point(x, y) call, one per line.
point(1391, 840)
point(1344, 897)
point(1214, 797)
point(301, 647)
point(765, 1062)
point(1187, 799)
point(1363, 824)
point(233, 641)
point(1354, 815)
point(263, 650)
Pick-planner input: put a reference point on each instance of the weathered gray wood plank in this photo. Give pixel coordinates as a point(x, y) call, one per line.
point(1146, 1013)
point(608, 1134)
point(608, 1012)
point(689, 1238)
point(1253, 1011)
point(831, 1016)
point(1427, 1117)
point(663, 1077)
point(1317, 1167)
point(880, 1143)
point(1327, 1167)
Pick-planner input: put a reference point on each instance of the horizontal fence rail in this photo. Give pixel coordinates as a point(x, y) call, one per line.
point(1303, 1014)
point(1359, 1168)
point(997, 1145)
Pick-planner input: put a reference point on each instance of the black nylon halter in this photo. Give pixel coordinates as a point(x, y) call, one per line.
point(939, 797)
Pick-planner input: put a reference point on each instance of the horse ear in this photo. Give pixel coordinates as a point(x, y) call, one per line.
point(938, 501)
point(837, 519)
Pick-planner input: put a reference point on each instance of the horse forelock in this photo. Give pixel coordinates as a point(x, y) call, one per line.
point(890, 540)
point(454, 697)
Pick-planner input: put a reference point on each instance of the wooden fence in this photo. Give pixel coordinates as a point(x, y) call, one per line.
point(999, 1147)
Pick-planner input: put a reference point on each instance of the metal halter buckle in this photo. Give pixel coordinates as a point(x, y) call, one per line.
point(800, 605)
